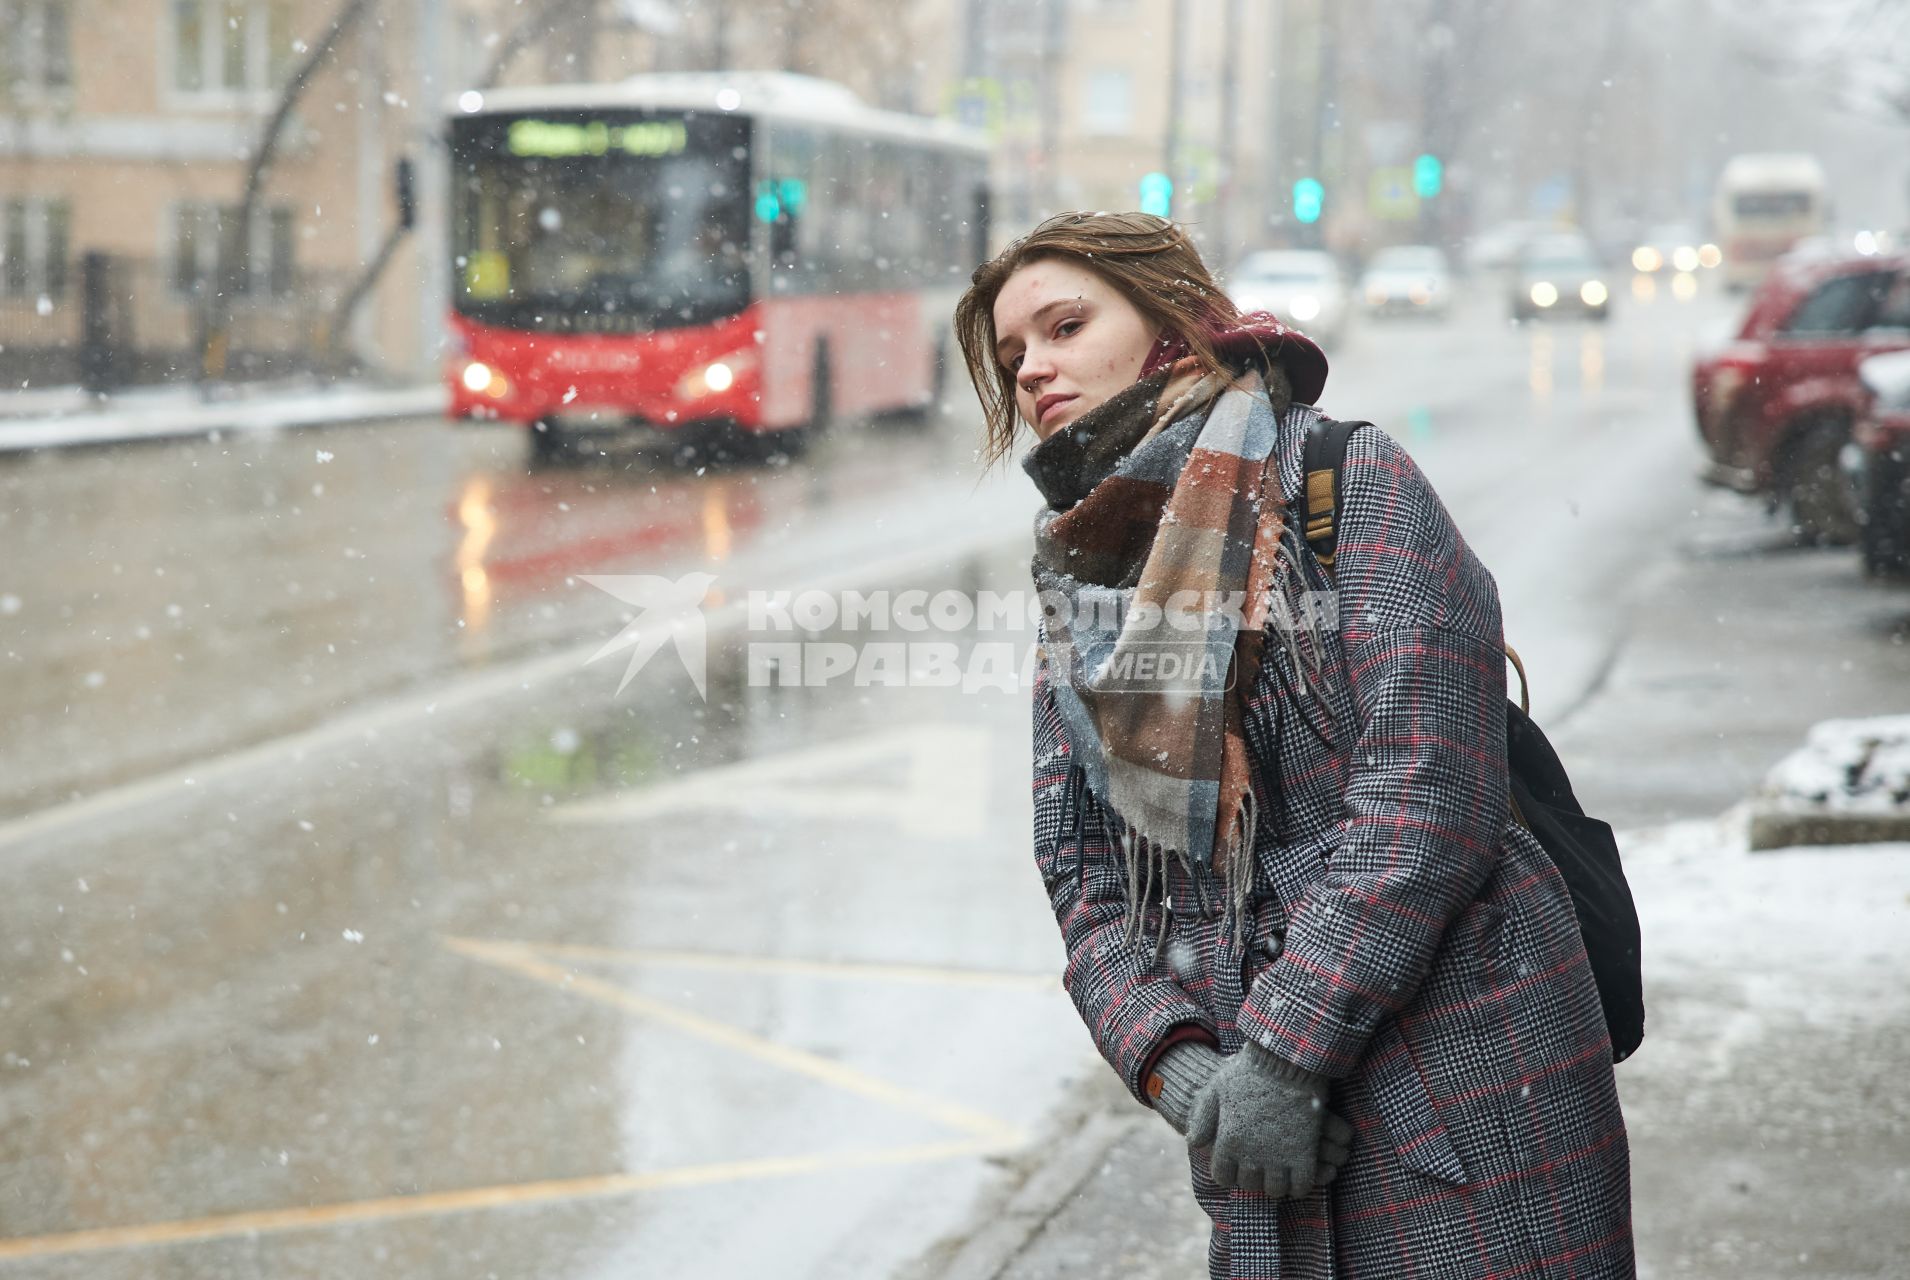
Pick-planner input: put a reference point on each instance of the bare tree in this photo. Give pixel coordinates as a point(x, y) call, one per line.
point(1854, 53)
point(216, 314)
point(831, 38)
point(542, 22)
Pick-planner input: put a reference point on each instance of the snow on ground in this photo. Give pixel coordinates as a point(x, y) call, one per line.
point(1814, 932)
point(178, 412)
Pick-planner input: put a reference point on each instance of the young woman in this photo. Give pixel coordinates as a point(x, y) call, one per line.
point(1276, 836)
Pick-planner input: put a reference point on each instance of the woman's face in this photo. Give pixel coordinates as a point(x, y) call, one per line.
point(1069, 339)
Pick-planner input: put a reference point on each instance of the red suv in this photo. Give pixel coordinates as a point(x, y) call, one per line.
point(1776, 403)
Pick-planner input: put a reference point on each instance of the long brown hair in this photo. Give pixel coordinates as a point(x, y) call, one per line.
point(1149, 260)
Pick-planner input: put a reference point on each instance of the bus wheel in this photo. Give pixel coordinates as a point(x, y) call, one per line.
point(551, 445)
point(1820, 499)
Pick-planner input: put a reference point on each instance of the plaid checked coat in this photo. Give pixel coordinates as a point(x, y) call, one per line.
point(1405, 938)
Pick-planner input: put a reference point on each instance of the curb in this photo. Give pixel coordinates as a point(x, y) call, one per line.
point(987, 1253)
point(1776, 829)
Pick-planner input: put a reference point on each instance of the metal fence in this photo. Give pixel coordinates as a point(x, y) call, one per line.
point(111, 321)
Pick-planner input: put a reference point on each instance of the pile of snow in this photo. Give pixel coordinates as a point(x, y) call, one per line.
point(1845, 767)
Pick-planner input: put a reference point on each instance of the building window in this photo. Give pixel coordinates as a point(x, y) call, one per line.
point(265, 266)
point(34, 244)
point(36, 47)
point(1109, 108)
point(226, 48)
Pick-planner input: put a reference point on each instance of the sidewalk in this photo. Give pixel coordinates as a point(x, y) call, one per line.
point(1769, 1108)
point(60, 417)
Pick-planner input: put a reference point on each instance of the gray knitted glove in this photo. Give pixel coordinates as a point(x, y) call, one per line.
point(1265, 1119)
point(1181, 1072)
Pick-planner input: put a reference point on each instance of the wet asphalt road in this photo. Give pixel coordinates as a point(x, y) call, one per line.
point(354, 923)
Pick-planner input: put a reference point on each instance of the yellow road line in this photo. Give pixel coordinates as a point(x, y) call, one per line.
point(522, 959)
point(850, 969)
point(511, 1195)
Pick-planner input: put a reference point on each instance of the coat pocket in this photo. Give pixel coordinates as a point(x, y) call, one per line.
point(1419, 1137)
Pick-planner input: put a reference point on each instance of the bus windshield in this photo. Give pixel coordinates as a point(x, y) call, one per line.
point(601, 222)
point(1772, 205)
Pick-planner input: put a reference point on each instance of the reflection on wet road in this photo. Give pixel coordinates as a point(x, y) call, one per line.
point(173, 601)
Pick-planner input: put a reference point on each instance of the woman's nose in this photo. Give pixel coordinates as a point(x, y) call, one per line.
point(1033, 372)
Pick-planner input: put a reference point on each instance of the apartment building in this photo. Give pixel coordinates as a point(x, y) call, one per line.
point(127, 126)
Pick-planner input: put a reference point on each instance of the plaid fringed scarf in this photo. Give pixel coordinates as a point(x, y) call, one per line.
point(1169, 487)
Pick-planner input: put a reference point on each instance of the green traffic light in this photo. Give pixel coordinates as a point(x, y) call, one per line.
point(1157, 195)
point(1309, 198)
point(1428, 176)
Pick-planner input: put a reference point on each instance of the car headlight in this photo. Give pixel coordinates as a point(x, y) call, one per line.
point(1304, 307)
point(1684, 258)
point(1544, 294)
point(1647, 259)
point(1709, 256)
point(1593, 293)
point(1376, 295)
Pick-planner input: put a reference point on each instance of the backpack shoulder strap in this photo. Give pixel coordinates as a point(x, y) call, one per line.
point(1325, 459)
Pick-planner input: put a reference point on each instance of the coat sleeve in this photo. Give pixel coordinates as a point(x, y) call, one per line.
point(1425, 804)
point(1133, 1007)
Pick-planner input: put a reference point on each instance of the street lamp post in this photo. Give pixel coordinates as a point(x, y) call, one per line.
point(1176, 89)
point(1229, 132)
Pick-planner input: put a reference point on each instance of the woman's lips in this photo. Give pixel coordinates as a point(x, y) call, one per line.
point(1047, 405)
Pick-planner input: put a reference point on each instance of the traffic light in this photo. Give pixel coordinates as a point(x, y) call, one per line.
point(1428, 175)
point(1157, 195)
point(1308, 198)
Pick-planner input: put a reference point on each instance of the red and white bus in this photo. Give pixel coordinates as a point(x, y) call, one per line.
point(756, 250)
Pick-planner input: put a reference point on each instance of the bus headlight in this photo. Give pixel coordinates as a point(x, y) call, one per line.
point(481, 379)
point(1544, 294)
point(1592, 293)
point(716, 377)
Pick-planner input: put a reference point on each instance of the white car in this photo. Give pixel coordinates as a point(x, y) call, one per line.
point(1409, 279)
point(1498, 248)
point(1301, 286)
point(1557, 274)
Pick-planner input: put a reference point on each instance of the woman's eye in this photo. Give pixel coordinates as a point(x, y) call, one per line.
point(1014, 365)
point(1066, 327)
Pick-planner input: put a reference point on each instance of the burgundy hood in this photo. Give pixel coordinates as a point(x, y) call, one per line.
point(1300, 357)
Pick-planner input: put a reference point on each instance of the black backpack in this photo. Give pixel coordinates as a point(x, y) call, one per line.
point(1581, 847)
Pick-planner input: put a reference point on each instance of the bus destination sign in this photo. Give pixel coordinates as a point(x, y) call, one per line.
point(550, 139)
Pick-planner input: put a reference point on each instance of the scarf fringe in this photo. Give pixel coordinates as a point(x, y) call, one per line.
point(1146, 863)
